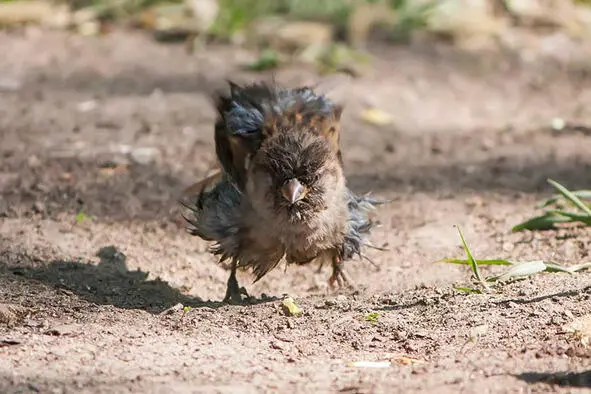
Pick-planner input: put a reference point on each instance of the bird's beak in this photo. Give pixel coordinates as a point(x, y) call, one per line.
point(293, 191)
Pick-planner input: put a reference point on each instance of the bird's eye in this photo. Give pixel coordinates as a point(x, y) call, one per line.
point(309, 180)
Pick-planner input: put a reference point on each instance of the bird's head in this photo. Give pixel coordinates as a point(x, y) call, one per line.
point(295, 175)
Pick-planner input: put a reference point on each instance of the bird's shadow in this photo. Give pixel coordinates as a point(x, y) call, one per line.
point(566, 379)
point(110, 282)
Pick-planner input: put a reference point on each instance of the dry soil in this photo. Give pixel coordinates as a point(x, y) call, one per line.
point(100, 135)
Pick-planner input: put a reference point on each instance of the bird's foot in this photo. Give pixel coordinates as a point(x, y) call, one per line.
point(234, 296)
point(340, 278)
point(234, 292)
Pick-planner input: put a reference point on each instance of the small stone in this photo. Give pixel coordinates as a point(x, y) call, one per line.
point(123, 149)
point(341, 298)
point(9, 85)
point(84, 15)
point(558, 124)
point(61, 330)
point(90, 28)
point(570, 352)
point(204, 12)
point(38, 207)
point(508, 246)
point(474, 202)
point(33, 323)
point(87, 106)
point(33, 161)
point(145, 156)
point(175, 308)
point(487, 144)
point(276, 345)
point(330, 302)
point(400, 335)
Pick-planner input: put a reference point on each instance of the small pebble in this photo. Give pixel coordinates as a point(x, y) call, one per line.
point(341, 298)
point(86, 106)
point(9, 85)
point(145, 155)
point(38, 207)
point(33, 161)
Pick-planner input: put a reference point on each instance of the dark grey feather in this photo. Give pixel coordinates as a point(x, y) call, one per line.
point(360, 224)
point(245, 109)
point(216, 216)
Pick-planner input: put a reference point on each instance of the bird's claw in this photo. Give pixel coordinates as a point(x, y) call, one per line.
point(234, 292)
point(341, 278)
point(235, 296)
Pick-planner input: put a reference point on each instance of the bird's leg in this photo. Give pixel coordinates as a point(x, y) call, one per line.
point(339, 275)
point(234, 292)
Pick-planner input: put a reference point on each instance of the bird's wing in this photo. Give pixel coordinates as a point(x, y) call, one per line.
point(198, 188)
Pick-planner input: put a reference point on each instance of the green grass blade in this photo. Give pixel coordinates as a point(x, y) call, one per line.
point(544, 222)
point(574, 216)
point(581, 194)
point(570, 196)
point(521, 270)
point(81, 217)
point(479, 262)
point(471, 260)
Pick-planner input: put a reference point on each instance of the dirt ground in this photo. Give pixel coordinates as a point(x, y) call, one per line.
point(89, 299)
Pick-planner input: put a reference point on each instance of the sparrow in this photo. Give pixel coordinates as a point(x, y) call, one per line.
point(281, 192)
point(251, 113)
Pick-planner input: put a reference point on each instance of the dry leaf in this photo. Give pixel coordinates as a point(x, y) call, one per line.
point(110, 171)
point(66, 176)
point(290, 308)
point(580, 329)
point(376, 116)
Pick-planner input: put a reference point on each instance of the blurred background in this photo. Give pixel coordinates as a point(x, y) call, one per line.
point(327, 33)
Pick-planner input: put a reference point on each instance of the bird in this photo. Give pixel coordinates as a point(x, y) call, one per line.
point(251, 113)
point(280, 192)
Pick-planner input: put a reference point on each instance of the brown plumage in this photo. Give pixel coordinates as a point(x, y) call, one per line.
point(282, 192)
point(250, 114)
